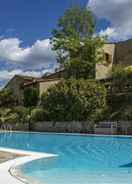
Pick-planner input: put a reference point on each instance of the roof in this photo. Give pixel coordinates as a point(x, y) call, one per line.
point(26, 78)
point(118, 42)
point(57, 72)
point(39, 81)
point(47, 78)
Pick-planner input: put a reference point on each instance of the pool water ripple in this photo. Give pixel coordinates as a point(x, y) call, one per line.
point(81, 160)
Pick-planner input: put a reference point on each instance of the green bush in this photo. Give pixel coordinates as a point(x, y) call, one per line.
point(14, 115)
point(12, 118)
point(120, 96)
point(38, 114)
point(8, 116)
point(122, 79)
point(7, 99)
point(22, 113)
point(5, 111)
point(78, 100)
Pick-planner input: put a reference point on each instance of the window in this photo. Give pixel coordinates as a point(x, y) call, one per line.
point(107, 58)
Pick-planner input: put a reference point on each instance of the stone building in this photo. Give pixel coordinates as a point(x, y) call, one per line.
point(119, 53)
point(103, 69)
point(45, 81)
point(114, 54)
point(42, 84)
point(16, 86)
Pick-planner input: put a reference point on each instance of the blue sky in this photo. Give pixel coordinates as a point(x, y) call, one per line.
point(31, 20)
point(26, 25)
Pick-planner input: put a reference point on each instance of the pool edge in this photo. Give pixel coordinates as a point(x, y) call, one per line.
point(8, 169)
point(64, 133)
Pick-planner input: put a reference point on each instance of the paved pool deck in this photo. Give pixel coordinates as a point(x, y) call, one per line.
point(11, 158)
point(6, 156)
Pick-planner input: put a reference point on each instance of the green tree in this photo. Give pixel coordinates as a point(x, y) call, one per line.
point(121, 79)
point(120, 94)
point(74, 100)
point(6, 98)
point(77, 48)
point(31, 97)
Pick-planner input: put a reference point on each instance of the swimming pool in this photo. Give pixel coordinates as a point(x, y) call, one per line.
point(81, 159)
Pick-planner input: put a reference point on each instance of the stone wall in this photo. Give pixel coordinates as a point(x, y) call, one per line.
point(124, 53)
point(69, 127)
point(14, 127)
point(119, 54)
point(15, 85)
point(105, 131)
point(43, 86)
point(103, 69)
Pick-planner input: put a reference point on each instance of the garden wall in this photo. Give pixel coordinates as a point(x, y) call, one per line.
point(69, 127)
point(15, 126)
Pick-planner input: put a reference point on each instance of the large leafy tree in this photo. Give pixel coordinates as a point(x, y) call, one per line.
point(74, 100)
point(78, 49)
point(31, 97)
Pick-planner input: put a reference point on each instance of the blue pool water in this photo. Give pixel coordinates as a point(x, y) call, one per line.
point(81, 159)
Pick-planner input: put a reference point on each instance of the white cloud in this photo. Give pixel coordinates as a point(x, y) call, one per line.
point(31, 61)
point(118, 12)
point(6, 75)
point(107, 32)
point(37, 56)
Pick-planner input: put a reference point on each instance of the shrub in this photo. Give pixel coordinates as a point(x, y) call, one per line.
point(22, 113)
point(12, 118)
point(6, 98)
point(123, 113)
point(14, 115)
point(78, 100)
point(122, 79)
point(8, 116)
point(120, 98)
point(38, 114)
